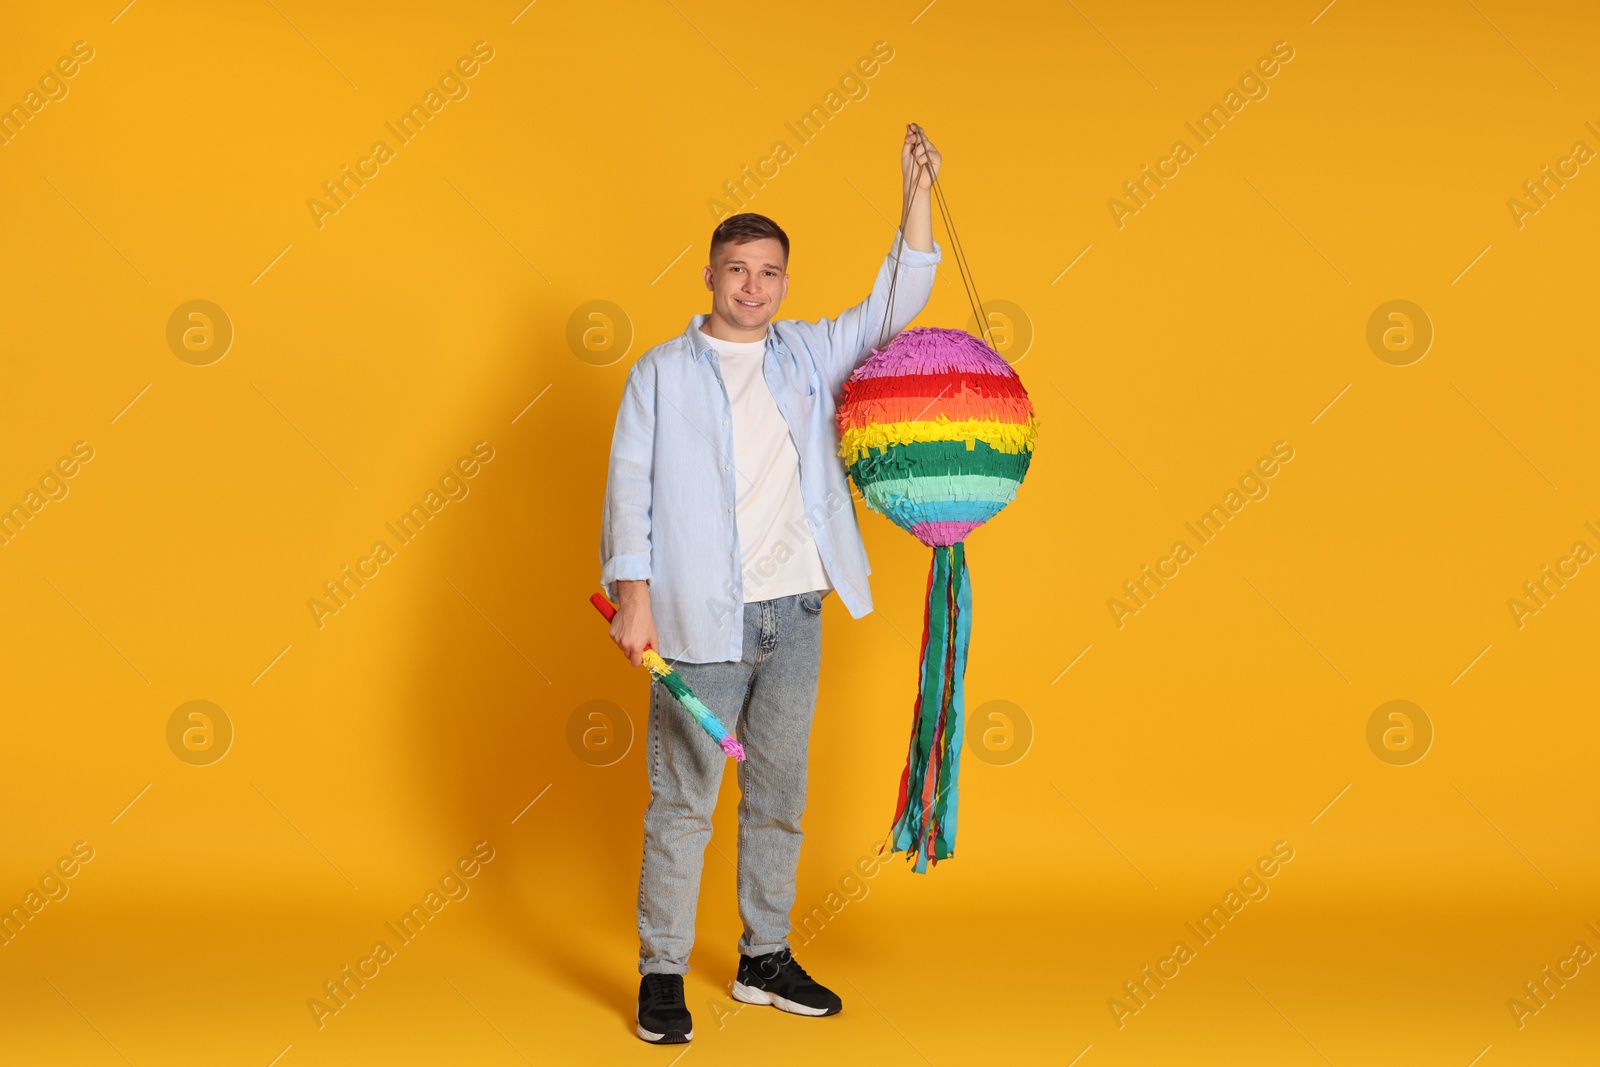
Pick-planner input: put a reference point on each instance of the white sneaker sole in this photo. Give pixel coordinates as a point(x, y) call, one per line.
point(655, 1038)
point(752, 995)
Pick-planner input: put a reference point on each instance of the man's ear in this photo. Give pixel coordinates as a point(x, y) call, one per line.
point(706, 273)
point(784, 295)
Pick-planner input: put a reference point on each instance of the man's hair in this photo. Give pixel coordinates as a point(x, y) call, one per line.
point(737, 229)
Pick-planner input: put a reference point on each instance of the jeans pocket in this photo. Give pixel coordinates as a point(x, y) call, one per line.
point(811, 603)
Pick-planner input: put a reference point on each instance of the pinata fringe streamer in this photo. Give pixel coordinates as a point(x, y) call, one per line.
point(925, 817)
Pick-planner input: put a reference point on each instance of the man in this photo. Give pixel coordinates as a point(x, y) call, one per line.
point(727, 520)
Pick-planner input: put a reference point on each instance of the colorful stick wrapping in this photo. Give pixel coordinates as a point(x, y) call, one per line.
point(663, 673)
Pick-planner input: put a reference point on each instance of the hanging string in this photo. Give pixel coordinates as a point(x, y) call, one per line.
point(968, 283)
point(900, 238)
point(962, 263)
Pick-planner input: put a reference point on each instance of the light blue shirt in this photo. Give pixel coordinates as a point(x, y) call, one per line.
point(671, 485)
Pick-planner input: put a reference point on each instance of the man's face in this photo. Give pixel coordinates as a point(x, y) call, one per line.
point(748, 282)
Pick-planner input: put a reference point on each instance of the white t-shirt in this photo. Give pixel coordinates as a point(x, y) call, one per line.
point(779, 553)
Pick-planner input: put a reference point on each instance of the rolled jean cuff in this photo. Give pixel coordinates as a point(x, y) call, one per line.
point(762, 950)
point(662, 967)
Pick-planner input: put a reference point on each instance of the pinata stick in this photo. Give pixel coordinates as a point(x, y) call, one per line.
point(663, 672)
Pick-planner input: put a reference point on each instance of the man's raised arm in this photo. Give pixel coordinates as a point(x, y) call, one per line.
point(848, 339)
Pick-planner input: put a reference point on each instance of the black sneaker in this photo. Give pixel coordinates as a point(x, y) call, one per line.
point(777, 979)
point(663, 1017)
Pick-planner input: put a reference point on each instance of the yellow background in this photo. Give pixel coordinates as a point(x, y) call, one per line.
point(370, 754)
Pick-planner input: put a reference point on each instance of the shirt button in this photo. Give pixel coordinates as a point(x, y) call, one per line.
point(726, 467)
point(724, 422)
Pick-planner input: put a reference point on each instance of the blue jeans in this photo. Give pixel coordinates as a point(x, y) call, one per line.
point(767, 698)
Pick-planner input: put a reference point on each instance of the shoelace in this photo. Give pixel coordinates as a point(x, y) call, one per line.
point(788, 966)
point(664, 990)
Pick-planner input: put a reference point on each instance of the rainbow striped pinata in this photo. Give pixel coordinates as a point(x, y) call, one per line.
point(937, 432)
